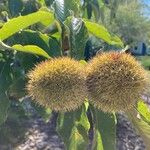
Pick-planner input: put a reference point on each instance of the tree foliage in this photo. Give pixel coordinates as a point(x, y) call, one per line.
point(130, 22)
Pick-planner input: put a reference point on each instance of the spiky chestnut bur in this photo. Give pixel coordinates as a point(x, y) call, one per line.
point(58, 84)
point(115, 81)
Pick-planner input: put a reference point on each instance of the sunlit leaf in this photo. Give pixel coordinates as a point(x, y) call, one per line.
point(31, 49)
point(83, 62)
point(144, 110)
point(101, 32)
point(16, 24)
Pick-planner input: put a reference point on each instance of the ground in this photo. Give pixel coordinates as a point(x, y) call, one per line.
point(39, 135)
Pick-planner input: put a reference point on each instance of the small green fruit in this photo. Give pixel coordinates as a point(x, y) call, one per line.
point(58, 84)
point(115, 81)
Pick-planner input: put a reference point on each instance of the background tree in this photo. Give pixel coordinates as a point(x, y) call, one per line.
point(129, 21)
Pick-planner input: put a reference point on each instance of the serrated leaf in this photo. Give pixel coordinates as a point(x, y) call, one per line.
point(78, 37)
point(75, 136)
point(105, 130)
point(141, 126)
point(31, 49)
point(16, 24)
point(63, 8)
point(101, 32)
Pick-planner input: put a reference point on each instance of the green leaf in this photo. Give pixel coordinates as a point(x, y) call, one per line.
point(63, 8)
point(101, 3)
point(16, 24)
point(30, 6)
point(105, 130)
point(97, 143)
point(73, 128)
point(96, 10)
point(78, 37)
point(5, 75)
point(101, 32)
point(83, 62)
point(28, 37)
point(142, 127)
point(144, 110)
point(15, 7)
point(31, 49)
point(49, 2)
point(42, 2)
point(54, 45)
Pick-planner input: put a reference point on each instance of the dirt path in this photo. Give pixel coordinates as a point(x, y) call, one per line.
point(41, 136)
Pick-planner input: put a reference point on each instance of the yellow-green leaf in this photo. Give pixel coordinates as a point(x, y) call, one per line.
point(144, 110)
point(16, 24)
point(101, 32)
point(83, 62)
point(31, 49)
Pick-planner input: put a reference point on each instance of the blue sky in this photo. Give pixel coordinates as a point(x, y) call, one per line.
point(146, 2)
point(147, 11)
